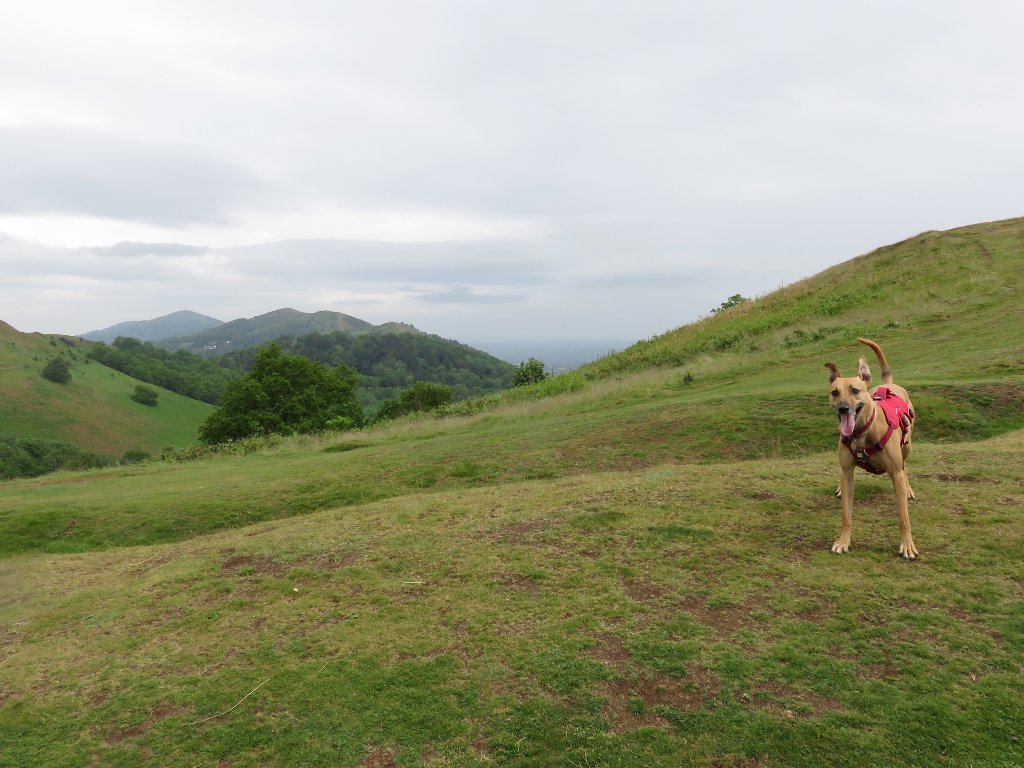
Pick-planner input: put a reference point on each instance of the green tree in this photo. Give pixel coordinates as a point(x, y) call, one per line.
point(57, 370)
point(145, 395)
point(529, 372)
point(284, 394)
point(733, 301)
point(421, 396)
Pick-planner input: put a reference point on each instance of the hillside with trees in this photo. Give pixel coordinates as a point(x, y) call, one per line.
point(389, 363)
point(183, 372)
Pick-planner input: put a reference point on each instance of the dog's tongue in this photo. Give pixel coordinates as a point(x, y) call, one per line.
point(847, 423)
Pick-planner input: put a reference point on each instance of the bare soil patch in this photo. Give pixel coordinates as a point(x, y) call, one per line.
point(261, 564)
point(783, 701)
point(161, 712)
point(724, 620)
point(632, 703)
point(378, 757)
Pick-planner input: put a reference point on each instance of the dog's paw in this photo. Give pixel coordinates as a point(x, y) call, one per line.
point(908, 550)
point(839, 491)
point(841, 546)
point(911, 496)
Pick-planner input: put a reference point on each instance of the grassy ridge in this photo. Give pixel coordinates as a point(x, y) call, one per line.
point(623, 567)
point(93, 411)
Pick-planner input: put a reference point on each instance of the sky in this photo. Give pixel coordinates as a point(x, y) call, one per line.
point(510, 172)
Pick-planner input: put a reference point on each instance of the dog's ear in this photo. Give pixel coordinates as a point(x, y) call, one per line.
point(833, 372)
point(863, 371)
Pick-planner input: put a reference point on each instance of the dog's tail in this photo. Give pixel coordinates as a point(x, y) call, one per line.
point(886, 373)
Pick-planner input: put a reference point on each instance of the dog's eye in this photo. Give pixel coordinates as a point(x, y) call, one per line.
point(855, 390)
point(835, 393)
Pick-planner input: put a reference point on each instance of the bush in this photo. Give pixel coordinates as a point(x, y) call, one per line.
point(284, 395)
point(145, 395)
point(57, 370)
point(135, 457)
point(421, 396)
point(529, 372)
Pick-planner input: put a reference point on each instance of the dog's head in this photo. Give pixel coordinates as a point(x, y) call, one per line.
point(850, 396)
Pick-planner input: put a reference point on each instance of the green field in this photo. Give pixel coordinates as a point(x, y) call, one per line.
point(625, 566)
point(94, 411)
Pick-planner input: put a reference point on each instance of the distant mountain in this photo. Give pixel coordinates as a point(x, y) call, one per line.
point(175, 324)
point(250, 332)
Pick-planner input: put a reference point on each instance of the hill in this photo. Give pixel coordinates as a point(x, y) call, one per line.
point(389, 363)
point(174, 324)
point(253, 331)
point(93, 411)
point(627, 565)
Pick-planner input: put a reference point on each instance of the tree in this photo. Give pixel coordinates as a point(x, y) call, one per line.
point(733, 301)
point(284, 394)
point(57, 370)
point(145, 395)
point(421, 396)
point(529, 372)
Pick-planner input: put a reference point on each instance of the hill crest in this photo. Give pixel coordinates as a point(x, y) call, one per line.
point(175, 324)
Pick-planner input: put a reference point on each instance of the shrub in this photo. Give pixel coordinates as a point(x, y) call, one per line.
point(145, 395)
point(530, 372)
point(285, 395)
point(57, 370)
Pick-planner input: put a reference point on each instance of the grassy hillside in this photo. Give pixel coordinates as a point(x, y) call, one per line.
point(93, 411)
point(626, 566)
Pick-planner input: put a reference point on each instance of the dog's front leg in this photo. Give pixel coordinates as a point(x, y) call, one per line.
point(901, 487)
point(842, 544)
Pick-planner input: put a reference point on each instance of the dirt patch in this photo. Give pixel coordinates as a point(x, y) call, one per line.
point(525, 532)
point(950, 477)
point(161, 712)
point(762, 495)
point(330, 562)
point(519, 582)
point(610, 650)
point(1009, 501)
point(729, 761)
point(379, 757)
point(263, 565)
point(632, 703)
point(784, 701)
point(724, 620)
point(642, 590)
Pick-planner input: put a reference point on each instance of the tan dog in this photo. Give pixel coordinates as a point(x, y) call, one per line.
point(873, 438)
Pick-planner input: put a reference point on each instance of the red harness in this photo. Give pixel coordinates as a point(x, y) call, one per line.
point(897, 414)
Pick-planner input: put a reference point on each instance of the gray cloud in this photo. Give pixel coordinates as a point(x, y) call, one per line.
point(129, 249)
point(463, 294)
point(672, 153)
point(76, 171)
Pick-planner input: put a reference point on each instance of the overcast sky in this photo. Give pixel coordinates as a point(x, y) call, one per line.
point(488, 171)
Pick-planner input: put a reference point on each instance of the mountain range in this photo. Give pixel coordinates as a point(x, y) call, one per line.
point(175, 324)
point(210, 337)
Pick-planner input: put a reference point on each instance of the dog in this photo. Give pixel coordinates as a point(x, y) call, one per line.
point(869, 421)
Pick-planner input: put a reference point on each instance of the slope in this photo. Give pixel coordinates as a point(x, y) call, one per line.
point(625, 566)
point(93, 411)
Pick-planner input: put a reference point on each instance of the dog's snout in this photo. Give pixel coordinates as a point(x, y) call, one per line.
point(842, 408)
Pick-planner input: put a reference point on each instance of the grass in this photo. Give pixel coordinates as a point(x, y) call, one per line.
point(94, 411)
point(630, 570)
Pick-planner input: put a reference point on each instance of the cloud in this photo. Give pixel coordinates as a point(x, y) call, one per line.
point(463, 294)
point(77, 171)
point(129, 249)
